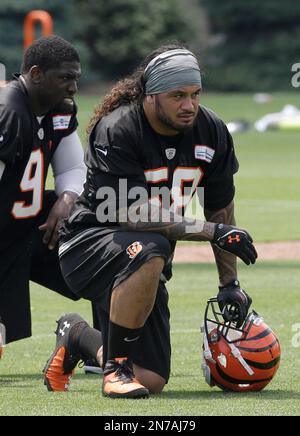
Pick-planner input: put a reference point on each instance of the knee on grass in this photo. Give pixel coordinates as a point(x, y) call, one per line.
point(151, 380)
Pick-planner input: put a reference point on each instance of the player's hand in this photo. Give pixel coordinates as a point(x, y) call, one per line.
point(235, 241)
point(234, 303)
point(60, 210)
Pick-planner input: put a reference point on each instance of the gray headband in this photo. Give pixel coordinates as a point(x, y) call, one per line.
point(171, 70)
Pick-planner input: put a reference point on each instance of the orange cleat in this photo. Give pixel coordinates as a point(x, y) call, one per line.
point(119, 381)
point(60, 367)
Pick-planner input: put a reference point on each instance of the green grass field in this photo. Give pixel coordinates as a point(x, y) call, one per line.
point(267, 204)
point(275, 288)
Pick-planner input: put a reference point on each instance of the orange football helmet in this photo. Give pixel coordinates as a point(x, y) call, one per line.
point(238, 359)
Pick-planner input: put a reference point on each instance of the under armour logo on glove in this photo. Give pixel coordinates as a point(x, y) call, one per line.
point(231, 239)
point(235, 241)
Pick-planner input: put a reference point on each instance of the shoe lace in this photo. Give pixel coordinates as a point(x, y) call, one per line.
point(125, 372)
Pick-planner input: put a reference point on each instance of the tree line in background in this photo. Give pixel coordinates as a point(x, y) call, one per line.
point(242, 46)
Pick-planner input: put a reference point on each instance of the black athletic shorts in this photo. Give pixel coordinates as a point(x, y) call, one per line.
point(28, 259)
point(96, 260)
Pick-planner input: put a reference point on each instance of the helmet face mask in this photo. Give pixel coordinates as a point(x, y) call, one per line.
point(238, 359)
point(228, 329)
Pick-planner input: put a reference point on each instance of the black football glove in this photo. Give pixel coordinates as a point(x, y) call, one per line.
point(234, 303)
point(235, 241)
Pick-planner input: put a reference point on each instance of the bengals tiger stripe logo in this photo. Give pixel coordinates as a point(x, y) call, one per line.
point(134, 249)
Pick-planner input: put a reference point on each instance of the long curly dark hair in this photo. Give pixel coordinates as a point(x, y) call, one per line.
point(129, 89)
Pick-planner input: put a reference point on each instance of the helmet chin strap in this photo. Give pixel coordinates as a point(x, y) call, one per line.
point(207, 356)
point(236, 353)
point(206, 353)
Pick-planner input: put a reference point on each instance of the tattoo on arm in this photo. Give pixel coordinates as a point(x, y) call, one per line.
point(169, 224)
point(226, 262)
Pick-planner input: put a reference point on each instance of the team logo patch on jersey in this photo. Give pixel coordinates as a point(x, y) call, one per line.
point(61, 122)
point(202, 152)
point(170, 153)
point(41, 133)
point(134, 249)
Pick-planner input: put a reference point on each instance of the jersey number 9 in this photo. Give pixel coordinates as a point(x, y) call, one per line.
point(33, 180)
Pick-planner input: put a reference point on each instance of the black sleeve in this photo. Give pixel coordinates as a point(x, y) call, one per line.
point(114, 162)
point(219, 186)
point(11, 138)
point(114, 151)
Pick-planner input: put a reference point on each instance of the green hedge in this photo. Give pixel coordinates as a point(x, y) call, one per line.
point(258, 43)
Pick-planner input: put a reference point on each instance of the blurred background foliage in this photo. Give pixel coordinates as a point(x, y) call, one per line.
point(242, 46)
point(252, 45)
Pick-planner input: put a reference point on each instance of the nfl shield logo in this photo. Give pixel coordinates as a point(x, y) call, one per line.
point(170, 153)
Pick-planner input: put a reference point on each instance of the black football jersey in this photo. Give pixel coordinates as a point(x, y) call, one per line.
point(123, 146)
point(27, 144)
